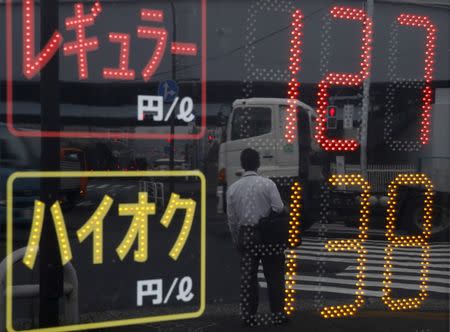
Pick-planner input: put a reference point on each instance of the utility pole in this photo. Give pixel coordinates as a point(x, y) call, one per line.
point(366, 105)
point(50, 268)
point(172, 119)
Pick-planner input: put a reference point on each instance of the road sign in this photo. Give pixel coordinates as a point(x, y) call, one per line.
point(168, 90)
point(348, 116)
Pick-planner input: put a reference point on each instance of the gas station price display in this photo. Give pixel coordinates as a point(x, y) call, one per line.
point(94, 49)
point(162, 242)
point(82, 38)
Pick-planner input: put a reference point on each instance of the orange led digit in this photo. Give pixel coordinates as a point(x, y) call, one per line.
point(408, 241)
point(352, 245)
point(294, 240)
point(340, 79)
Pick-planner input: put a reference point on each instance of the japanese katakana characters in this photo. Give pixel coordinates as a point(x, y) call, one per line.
point(176, 203)
point(36, 230)
point(94, 226)
point(138, 228)
point(32, 63)
point(137, 232)
point(82, 44)
point(159, 34)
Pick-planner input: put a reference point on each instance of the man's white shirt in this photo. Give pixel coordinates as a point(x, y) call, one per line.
point(249, 199)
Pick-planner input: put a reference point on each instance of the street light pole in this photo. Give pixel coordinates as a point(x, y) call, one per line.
point(50, 269)
point(172, 120)
point(366, 106)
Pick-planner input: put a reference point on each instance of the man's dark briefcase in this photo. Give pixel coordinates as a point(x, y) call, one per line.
point(275, 228)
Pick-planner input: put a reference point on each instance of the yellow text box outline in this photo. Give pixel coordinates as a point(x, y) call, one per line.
point(103, 174)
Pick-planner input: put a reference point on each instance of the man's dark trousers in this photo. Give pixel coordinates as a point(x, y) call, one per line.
point(273, 262)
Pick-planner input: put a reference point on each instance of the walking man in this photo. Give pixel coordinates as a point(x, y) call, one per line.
point(248, 200)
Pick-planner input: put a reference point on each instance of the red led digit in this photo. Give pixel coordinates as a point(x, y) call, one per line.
point(160, 34)
point(294, 68)
point(184, 48)
point(123, 72)
point(344, 80)
point(82, 45)
point(424, 22)
point(152, 15)
point(32, 63)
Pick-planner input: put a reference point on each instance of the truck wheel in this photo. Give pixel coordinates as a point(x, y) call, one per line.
point(440, 222)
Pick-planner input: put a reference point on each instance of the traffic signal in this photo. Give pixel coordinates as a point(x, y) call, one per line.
point(211, 136)
point(331, 117)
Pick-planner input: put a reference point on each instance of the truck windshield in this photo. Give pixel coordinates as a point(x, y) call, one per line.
point(250, 122)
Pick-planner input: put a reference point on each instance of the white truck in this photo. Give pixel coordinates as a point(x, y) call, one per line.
point(260, 123)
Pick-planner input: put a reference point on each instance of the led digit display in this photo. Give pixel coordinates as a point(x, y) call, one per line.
point(357, 245)
point(407, 241)
point(340, 79)
point(294, 241)
point(169, 59)
point(415, 22)
point(294, 68)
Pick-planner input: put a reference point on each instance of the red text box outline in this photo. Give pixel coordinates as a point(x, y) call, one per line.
point(84, 134)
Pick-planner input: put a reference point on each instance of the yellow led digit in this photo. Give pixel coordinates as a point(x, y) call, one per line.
point(35, 235)
point(176, 203)
point(94, 226)
point(294, 233)
point(408, 241)
point(138, 228)
point(352, 245)
point(61, 233)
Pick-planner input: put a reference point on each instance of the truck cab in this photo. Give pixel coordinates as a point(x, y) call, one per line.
point(260, 123)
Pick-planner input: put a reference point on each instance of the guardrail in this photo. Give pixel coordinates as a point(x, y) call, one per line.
point(379, 176)
point(71, 313)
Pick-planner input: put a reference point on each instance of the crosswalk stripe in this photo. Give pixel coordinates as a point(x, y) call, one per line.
point(328, 289)
point(374, 262)
point(378, 284)
point(379, 248)
point(399, 270)
point(395, 256)
point(381, 243)
point(406, 268)
point(397, 277)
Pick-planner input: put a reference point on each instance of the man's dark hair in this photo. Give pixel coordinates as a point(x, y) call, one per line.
point(250, 160)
